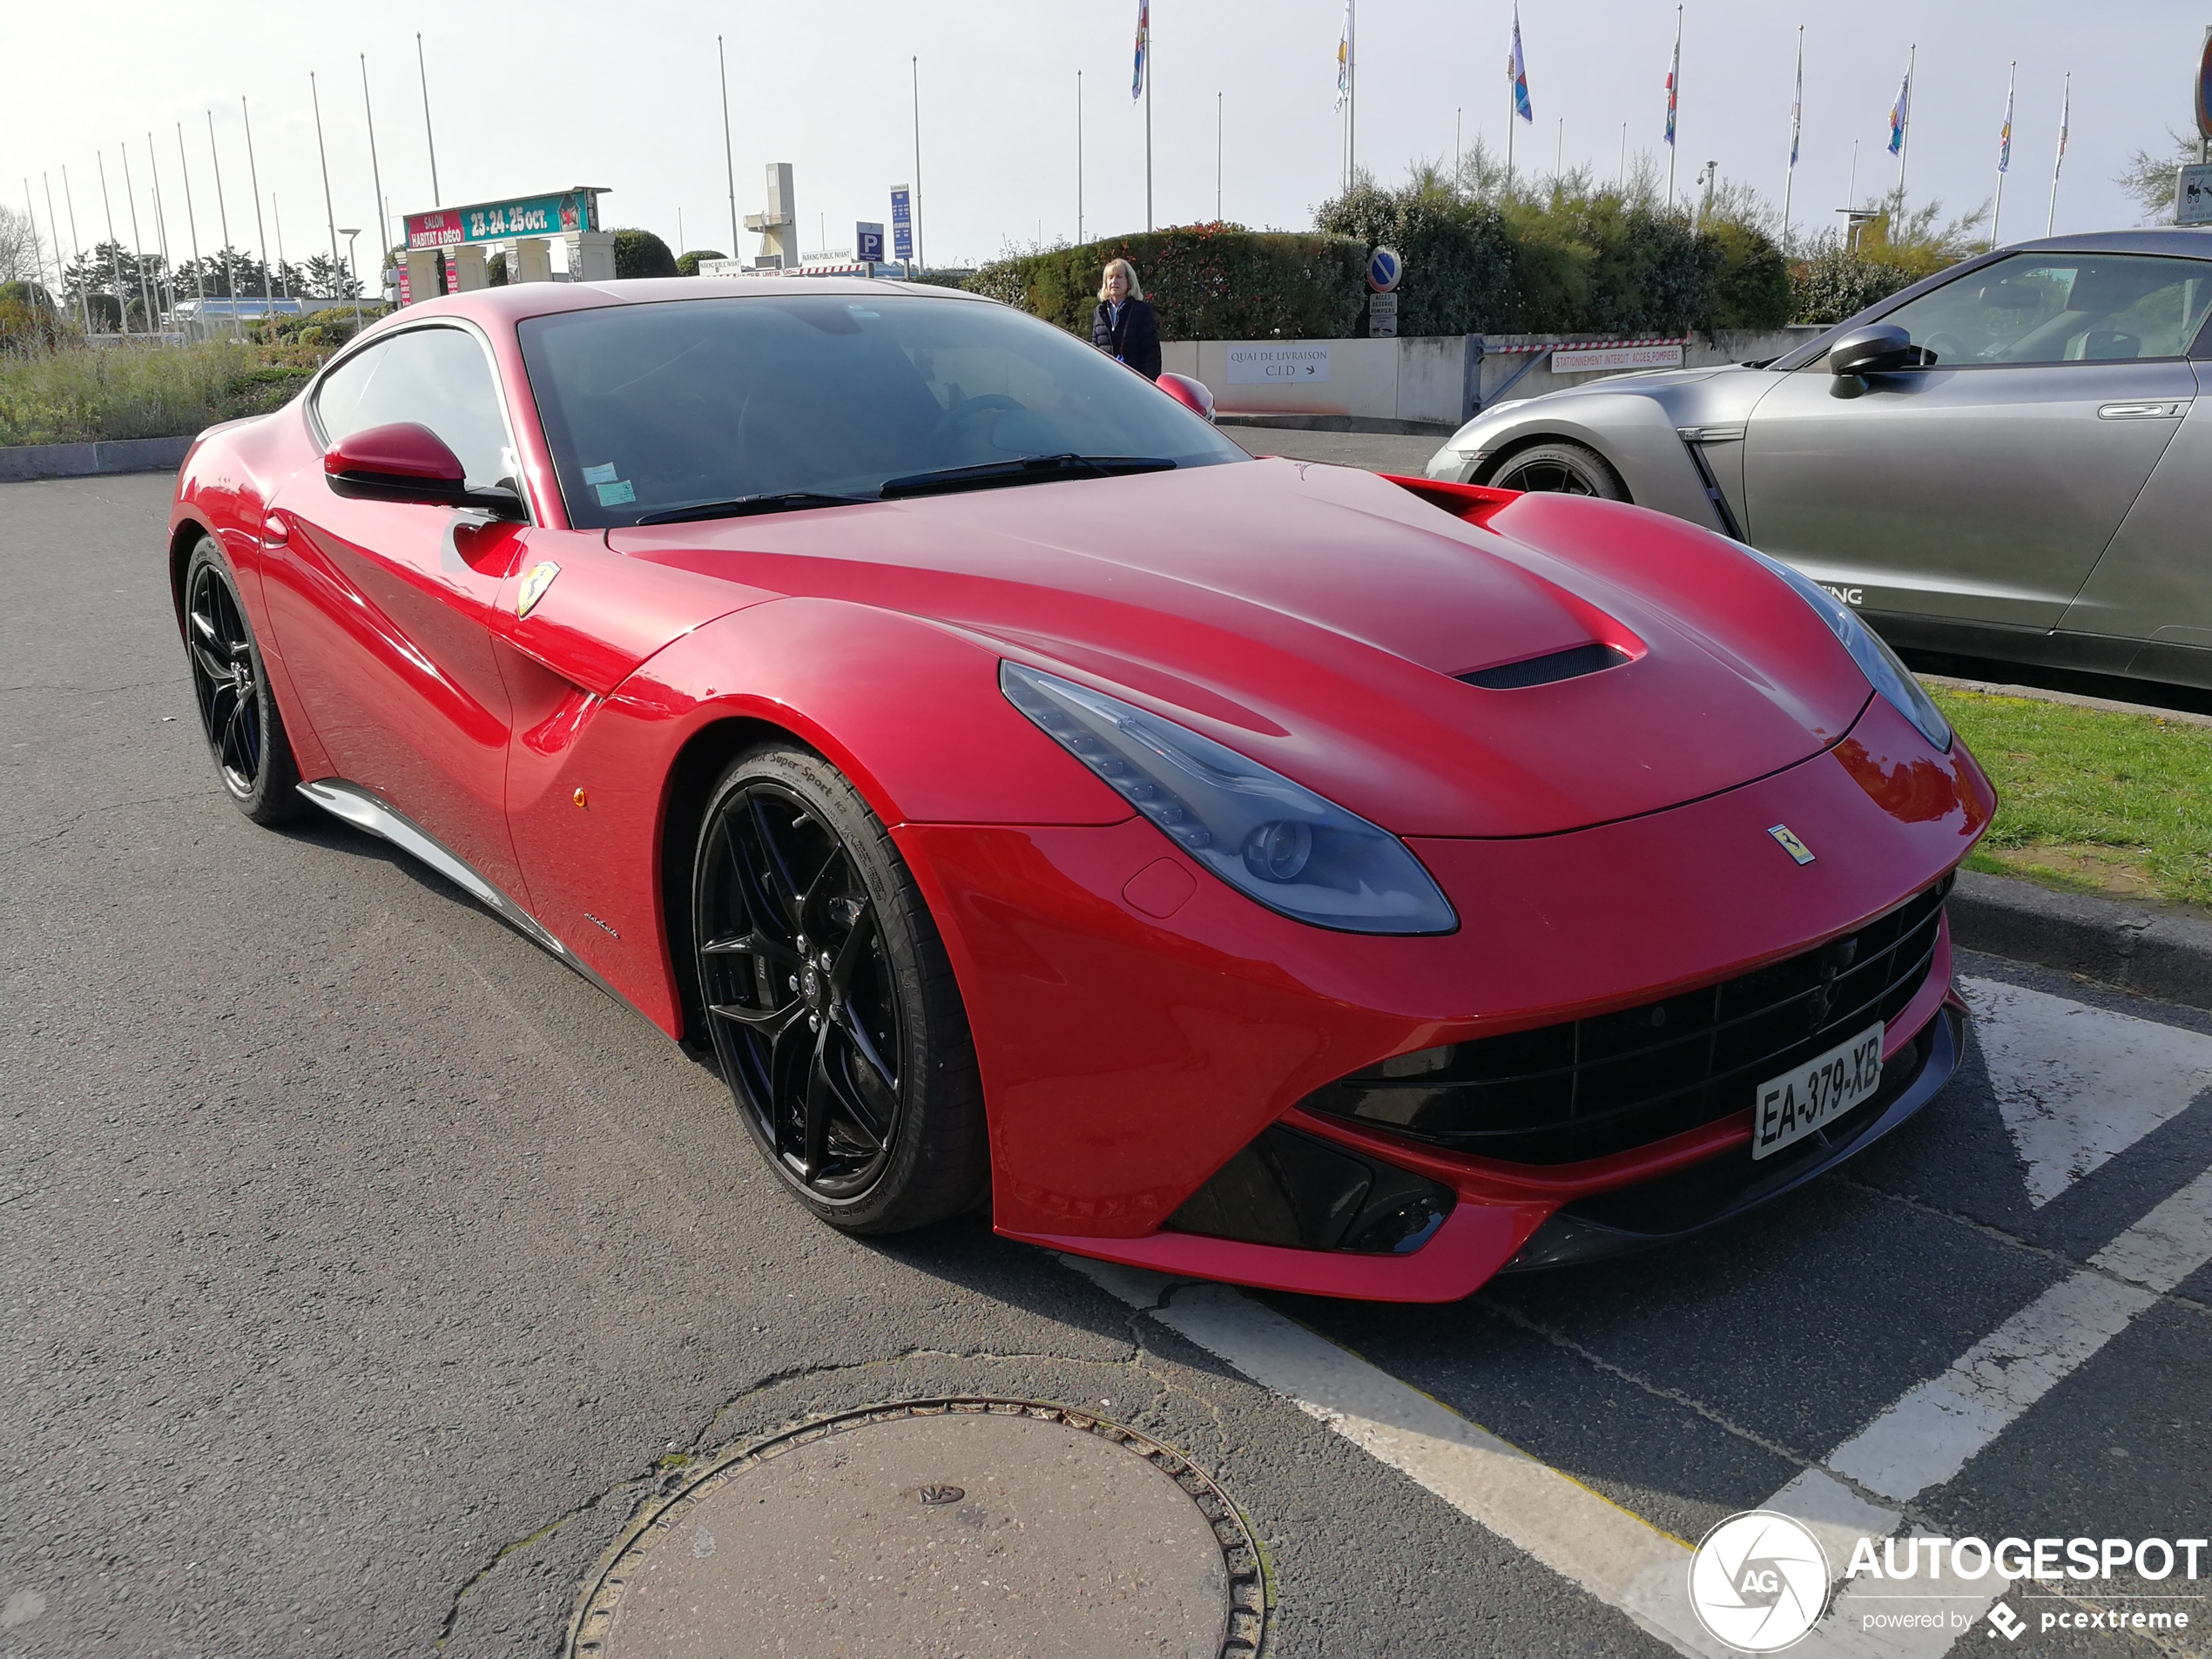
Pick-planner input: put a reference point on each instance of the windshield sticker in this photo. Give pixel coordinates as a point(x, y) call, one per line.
point(605, 474)
point(616, 493)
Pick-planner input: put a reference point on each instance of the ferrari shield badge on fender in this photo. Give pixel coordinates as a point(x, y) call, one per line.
point(1782, 832)
point(540, 577)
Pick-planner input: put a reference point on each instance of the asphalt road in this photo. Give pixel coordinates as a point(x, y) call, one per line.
point(362, 1267)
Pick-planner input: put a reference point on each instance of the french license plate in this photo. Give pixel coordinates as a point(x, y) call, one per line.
point(1793, 1105)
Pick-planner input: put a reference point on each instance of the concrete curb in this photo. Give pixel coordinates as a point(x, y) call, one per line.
point(22, 462)
point(2152, 953)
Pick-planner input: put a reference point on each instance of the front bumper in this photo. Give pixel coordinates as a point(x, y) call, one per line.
point(1128, 1055)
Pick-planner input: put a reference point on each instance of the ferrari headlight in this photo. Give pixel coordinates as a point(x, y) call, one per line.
point(1275, 840)
point(1868, 648)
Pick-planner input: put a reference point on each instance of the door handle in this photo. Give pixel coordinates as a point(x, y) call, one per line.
point(2168, 410)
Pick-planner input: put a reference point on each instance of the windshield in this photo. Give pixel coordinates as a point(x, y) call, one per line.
point(785, 399)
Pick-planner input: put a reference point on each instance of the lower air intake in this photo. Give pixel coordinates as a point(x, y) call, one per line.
point(1294, 1189)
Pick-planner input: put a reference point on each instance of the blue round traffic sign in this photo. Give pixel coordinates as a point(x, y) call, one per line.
point(1385, 268)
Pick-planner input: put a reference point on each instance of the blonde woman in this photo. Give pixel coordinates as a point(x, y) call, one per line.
point(1124, 325)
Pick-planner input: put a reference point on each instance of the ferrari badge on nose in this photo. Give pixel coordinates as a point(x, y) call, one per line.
point(540, 577)
point(1782, 832)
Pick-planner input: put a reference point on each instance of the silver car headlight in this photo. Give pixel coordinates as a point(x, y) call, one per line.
point(1272, 840)
point(1868, 648)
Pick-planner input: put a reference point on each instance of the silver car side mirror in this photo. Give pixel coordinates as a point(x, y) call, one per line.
point(1876, 349)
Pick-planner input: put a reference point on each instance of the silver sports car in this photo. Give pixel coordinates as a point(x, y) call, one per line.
point(2007, 460)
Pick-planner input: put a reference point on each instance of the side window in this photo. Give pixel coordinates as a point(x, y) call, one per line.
point(435, 377)
point(2063, 308)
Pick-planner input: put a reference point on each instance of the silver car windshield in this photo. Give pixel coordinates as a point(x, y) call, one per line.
point(794, 400)
point(2063, 308)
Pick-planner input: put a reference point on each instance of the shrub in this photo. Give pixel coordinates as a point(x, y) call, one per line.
point(1459, 257)
point(1836, 283)
point(641, 254)
point(144, 392)
point(26, 330)
point(1752, 288)
point(1206, 282)
point(688, 263)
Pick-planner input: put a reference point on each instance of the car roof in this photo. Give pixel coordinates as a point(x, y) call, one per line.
point(2188, 242)
point(512, 301)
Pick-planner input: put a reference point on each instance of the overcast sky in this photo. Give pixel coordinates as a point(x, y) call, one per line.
point(527, 98)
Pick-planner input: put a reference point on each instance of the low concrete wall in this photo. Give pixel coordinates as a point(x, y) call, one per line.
point(23, 460)
point(1416, 384)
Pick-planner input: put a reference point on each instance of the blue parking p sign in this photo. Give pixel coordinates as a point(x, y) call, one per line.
point(867, 243)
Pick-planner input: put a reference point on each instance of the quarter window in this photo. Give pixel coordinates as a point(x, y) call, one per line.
point(435, 377)
point(2063, 308)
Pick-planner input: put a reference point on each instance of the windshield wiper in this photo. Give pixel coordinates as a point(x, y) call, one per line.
point(1030, 469)
point(741, 506)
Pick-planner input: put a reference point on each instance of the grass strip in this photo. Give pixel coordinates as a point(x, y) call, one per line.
point(84, 395)
point(2091, 800)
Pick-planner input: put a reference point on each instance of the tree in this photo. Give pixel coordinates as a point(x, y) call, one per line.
point(328, 279)
point(22, 253)
point(2150, 176)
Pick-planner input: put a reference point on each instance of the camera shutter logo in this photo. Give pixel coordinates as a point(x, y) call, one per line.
point(1759, 1582)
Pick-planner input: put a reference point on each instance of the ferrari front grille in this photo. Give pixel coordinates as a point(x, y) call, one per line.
point(1585, 1088)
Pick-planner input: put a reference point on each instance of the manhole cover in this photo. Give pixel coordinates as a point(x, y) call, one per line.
point(970, 1527)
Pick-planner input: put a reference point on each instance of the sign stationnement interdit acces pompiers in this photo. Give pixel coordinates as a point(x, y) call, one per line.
point(562, 214)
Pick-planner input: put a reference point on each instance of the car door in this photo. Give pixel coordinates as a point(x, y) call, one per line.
point(1985, 485)
point(384, 609)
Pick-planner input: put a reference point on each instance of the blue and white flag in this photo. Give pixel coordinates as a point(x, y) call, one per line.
point(1674, 88)
point(1901, 112)
point(1517, 66)
point(1143, 48)
point(1344, 59)
point(1797, 104)
point(2004, 136)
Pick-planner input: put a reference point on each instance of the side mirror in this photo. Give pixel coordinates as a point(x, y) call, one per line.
point(1192, 395)
point(408, 463)
point(1877, 348)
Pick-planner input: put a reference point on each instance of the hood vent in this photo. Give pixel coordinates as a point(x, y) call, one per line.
point(1571, 663)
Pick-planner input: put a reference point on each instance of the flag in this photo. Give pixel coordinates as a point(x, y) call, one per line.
point(2005, 136)
point(1517, 67)
point(2066, 108)
point(1797, 104)
point(1899, 112)
point(1673, 77)
point(1144, 47)
point(1343, 58)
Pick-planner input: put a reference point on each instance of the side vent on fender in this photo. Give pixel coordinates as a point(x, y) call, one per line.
point(1571, 663)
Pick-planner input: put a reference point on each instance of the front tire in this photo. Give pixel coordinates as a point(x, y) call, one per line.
point(1560, 468)
point(238, 710)
point(831, 1002)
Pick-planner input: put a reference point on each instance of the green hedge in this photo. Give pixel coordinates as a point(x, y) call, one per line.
point(1206, 282)
point(1836, 283)
point(641, 254)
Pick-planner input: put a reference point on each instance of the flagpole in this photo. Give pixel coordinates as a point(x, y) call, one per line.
point(422, 69)
point(729, 155)
point(1796, 119)
point(1079, 158)
point(1217, 157)
point(84, 315)
point(191, 227)
point(921, 260)
point(1905, 132)
point(147, 297)
point(1512, 112)
point(376, 180)
point(2003, 156)
point(1351, 89)
point(254, 177)
point(1148, 121)
point(337, 269)
point(2066, 108)
point(1673, 105)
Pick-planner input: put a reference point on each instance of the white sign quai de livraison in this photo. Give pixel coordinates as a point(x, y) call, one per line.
point(1581, 360)
point(1304, 362)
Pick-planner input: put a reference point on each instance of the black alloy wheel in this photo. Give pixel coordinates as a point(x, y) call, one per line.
point(830, 1000)
point(1560, 468)
point(238, 712)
